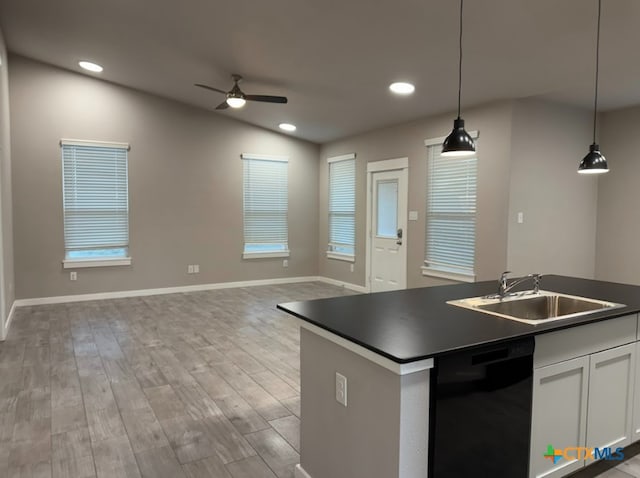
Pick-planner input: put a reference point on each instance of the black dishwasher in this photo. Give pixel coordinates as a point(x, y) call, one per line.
point(480, 416)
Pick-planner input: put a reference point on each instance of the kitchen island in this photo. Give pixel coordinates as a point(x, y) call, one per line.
point(386, 345)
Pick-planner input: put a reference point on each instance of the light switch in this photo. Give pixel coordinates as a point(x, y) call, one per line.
point(413, 215)
point(520, 217)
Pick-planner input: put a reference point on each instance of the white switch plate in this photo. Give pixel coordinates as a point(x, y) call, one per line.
point(196, 268)
point(520, 217)
point(351, 267)
point(341, 389)
point(73, 275)
point(285, 263)
point(413, 215)
point(189, 269)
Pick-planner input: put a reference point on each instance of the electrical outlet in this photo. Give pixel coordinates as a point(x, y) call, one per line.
point(189, 269)
point(285, 263)
point(196, 268)
point(341, 389)
point(73, 275)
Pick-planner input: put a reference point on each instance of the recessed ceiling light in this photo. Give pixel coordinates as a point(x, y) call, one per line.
point(87, 65)
point(402, 88)
point(287, 126)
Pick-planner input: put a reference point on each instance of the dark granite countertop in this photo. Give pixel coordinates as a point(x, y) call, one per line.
point(414, 324)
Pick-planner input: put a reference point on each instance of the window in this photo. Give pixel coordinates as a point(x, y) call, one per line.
point(451, 215)
point(266, 201)
point(96, 203)
point(342, 207)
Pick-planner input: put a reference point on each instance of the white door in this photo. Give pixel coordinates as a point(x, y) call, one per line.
point(559, 416)
point(611, 397)
point(388, 222)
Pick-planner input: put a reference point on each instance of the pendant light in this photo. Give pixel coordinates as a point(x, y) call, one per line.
point(459, 142)
point(594, 162)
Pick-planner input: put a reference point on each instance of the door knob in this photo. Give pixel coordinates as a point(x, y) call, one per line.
point(399, 234)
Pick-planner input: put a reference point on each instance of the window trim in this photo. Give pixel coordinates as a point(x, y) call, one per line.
point(330, 254)
point(341, 256)
point(443, 272)
point(82, 263)
point(430, 271)
point(103, 261)
point(265, 254)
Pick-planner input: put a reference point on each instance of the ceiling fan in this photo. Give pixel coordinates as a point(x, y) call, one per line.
point(236, 97)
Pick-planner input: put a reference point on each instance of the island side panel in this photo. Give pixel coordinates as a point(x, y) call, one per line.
point(385, 413)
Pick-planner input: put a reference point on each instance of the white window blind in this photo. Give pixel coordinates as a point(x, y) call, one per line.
point(451, 213)
point(266, 204)
point(96, 200)
point(342, 205)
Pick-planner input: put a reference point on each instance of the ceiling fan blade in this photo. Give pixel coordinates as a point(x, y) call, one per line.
point(210, 88)
point(223, 106)
point(266, 98)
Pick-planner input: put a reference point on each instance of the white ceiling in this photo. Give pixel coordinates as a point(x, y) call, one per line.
point(335, 59)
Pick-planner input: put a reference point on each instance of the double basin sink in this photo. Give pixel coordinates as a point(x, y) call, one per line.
point(535, 307)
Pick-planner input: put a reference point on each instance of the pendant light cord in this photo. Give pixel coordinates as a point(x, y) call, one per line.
point(460, 60)
point(595, 101)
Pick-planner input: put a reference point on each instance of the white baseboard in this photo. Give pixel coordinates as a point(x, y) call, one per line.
point(187, 288)
point(5, 326)
point(60, 299)
point(299, 472)
point(347, 285)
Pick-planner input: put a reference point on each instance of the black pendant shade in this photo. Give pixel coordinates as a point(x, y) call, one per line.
point(594, 162)
point(459, 142)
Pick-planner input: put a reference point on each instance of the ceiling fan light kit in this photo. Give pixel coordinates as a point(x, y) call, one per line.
point(236, 98)
point(236, 101)
point(459, 142)
point(594, 162)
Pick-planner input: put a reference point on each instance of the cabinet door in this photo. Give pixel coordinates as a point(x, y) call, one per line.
point(558, 416)
point(611, 384)
point(635, 431)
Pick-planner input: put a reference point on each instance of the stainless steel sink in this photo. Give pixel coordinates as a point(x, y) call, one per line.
point(535, 308)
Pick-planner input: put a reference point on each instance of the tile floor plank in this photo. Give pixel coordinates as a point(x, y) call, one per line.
point(174, 385)
point(275, 451)
point(210, 467)
point(159, 463)
point(253, 467)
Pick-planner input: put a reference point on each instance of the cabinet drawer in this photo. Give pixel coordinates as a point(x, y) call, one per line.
point(582, 340)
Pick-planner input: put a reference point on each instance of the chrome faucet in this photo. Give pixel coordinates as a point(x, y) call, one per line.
point(504, 287)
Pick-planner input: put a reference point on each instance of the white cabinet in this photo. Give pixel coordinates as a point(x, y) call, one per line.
point(586, 393)
point(560, 393)
point(611, 387)
point(635, 429)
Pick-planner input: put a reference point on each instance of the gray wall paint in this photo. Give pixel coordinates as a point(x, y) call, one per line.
point(185, 186)
point(407, 140)
point(360, 441)
point(6, 209)
point(617, 256)
point(558, 234)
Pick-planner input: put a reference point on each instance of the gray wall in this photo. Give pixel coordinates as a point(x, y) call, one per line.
point(548, 141)
point(6, 224)
point(383, 431)
point(185, 186)
point(617, 251)
point(494, 149)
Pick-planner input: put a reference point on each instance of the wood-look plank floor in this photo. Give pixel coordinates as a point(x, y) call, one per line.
point(195, 385)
